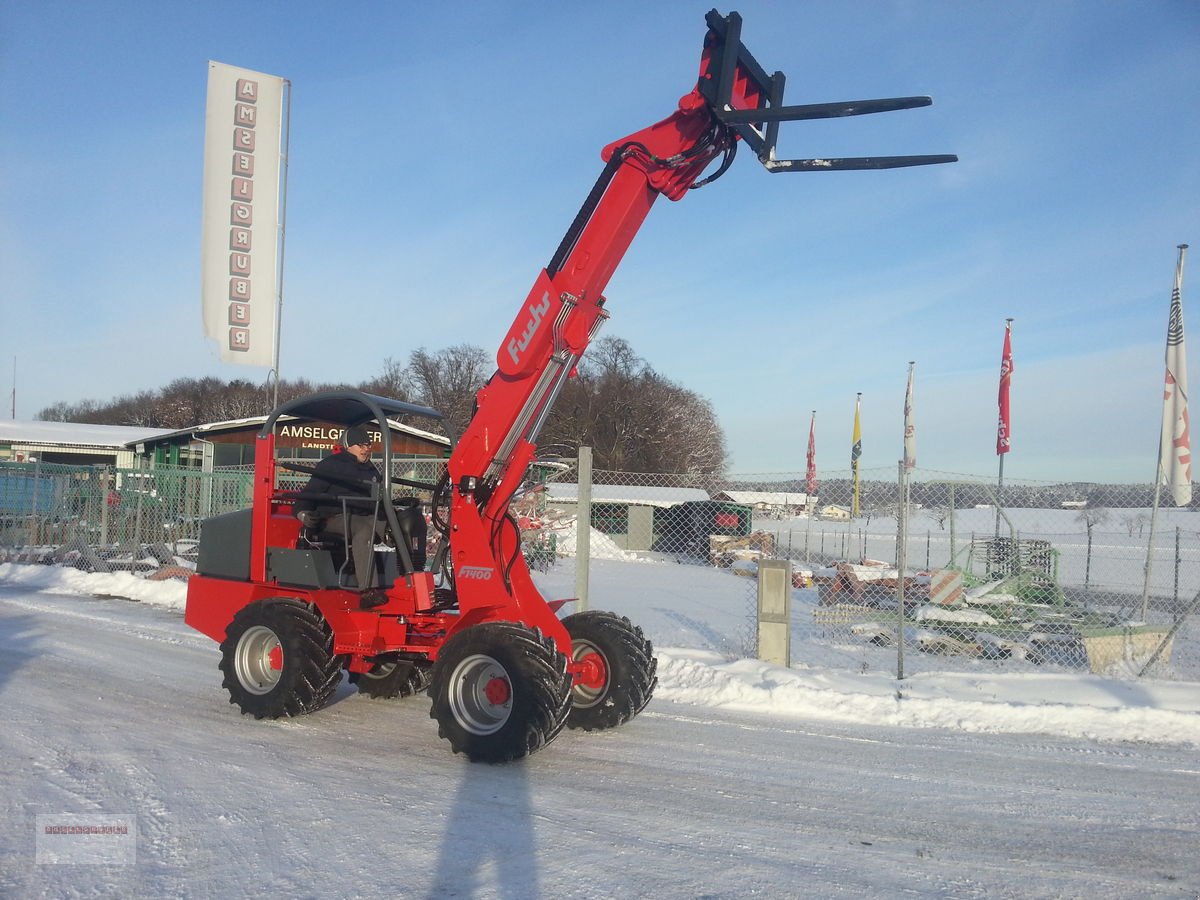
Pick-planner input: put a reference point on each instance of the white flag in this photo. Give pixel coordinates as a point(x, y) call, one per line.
point(240, 229)
point(910, 428)
point(1175, 464)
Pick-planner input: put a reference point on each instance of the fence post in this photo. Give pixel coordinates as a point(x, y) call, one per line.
point(1175, 597)
point(33, 503)
point(103, 492)
point(953, 550)
point(1087, 569)
point(583, 528)
point(137, 521)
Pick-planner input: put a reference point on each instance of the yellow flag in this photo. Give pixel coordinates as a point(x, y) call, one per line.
point(856, 452)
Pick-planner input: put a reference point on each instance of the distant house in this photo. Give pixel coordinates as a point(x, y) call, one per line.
point(626, 513)
point(218, 445)
point(207, 446)
point(72, 443)
point(779, 503)
point(836, 513)
point(1074, 504)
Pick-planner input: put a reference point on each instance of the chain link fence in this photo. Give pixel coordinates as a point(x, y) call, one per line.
point(1033, 576)
point(1030, 577)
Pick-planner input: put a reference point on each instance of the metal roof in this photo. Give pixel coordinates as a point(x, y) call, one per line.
point(634, 495)
point(77, 434)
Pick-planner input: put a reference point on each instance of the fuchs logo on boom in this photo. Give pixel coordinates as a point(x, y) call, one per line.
point(479, 573)
point(537, 311)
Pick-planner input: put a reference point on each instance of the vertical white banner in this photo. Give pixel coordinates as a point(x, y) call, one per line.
point(1176, 441)
point(240, 229)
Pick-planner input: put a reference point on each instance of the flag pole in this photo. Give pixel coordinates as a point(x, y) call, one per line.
point(999, 492)
point(810, 483)
point(285, 156)
point(1176, 387)
point(901, 565)
point(1158, 480)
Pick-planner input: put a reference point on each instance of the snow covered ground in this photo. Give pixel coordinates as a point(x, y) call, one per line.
point(740, 779)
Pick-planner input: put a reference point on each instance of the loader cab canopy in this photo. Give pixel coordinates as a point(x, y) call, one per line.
point(348, 408)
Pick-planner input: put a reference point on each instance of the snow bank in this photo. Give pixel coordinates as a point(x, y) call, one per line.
point(1083, 706)
point(64, 580)
point(601, 547)
point(1091, 707)
point(942, 614)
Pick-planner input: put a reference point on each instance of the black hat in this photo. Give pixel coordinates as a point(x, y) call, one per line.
point(356, 435)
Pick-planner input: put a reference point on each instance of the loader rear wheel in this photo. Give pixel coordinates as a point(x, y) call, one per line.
point(500, 691)
point(278, 659)
point(392, 679)
point(618, 670)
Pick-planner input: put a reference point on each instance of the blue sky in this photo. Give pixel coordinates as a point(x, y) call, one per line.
point(437, 156)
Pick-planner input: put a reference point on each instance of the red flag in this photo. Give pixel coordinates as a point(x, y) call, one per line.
point(910, 428)
point(1004, 428)
point(810, 476)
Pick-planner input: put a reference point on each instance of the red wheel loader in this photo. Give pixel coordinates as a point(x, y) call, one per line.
point(506, 674)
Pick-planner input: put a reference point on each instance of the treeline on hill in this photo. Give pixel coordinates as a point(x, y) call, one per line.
point(635, 419)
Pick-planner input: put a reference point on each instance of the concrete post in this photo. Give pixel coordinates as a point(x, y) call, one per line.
point(775, 611)
point(583, 529)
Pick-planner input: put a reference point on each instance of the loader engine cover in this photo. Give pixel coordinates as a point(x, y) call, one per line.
point(225, 546)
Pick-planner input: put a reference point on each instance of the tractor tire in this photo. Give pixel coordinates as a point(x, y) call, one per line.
point(392, 679)
point(278, 659)
point(500, 691)
point(622, 672)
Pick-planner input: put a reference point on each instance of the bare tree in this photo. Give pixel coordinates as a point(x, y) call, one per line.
point(1135, 522)
point(396, 382)
point(448, 380)
point(1091, 516)
point(634, 418)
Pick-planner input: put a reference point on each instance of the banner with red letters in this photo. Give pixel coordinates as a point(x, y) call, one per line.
point(241, 222)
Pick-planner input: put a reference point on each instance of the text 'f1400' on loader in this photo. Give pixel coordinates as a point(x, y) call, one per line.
point(505, 673)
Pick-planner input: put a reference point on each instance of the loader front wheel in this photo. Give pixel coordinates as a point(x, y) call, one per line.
point(278, 659)
point(618, 670)
point(392, 679)
point(500, 691)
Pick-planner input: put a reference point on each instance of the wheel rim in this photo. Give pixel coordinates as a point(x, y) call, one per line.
point(258, 662)
point(380, 671)
point(480, 694)
point(593, 682)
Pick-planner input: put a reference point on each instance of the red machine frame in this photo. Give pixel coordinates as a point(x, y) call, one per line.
point(733, 101)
